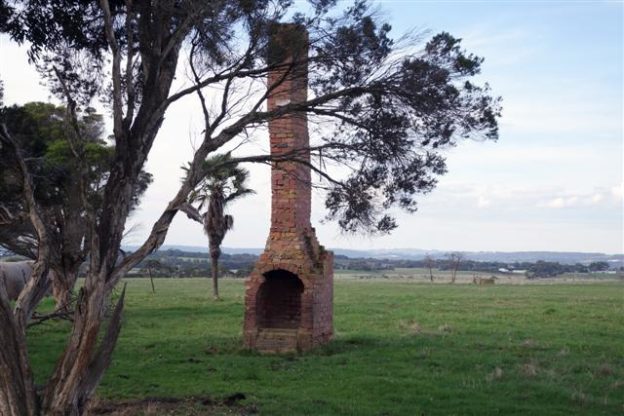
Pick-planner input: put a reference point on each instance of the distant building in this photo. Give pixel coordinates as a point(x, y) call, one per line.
point(511, 271)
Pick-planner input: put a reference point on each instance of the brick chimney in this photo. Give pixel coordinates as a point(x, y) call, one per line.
point(291, 192)
point(289, 294)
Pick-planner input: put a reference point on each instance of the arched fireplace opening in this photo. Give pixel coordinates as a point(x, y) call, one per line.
point(278, 303)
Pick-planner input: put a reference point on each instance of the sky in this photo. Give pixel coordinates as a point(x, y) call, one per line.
point(552, 182)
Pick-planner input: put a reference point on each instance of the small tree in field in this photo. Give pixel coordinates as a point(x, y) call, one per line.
point(429, 263)
point(153, 266)
point(454, 258)
point(224, 183)
point(386, 111)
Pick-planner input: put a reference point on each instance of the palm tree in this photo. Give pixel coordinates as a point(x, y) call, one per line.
point(224, 182)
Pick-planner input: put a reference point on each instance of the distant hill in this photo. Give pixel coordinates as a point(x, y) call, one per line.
point(616, 260)
point(202, 249)
point(498, 256)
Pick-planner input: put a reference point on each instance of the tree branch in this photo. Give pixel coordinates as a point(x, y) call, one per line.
point(130, 92)
point(38, 285)
point(191, 212)
point(117, 93)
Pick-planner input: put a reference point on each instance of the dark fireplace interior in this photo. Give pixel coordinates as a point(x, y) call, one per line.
point(279, 300)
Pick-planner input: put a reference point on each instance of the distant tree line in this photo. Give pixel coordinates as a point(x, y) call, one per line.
point(178, 263)
point(533, 269)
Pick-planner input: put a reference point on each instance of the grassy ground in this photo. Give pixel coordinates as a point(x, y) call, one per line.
point(444, 276)
point(401, 348)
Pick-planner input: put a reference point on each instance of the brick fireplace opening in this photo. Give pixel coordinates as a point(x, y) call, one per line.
point(289, 294)
point(278, 302)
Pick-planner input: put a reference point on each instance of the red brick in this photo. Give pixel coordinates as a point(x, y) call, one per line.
point(289, 294)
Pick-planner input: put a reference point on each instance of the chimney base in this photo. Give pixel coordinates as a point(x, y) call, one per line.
point(289, 295)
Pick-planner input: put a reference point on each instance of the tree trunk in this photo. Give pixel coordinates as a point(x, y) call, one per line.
point(89, 348)
point(149, 271)
point(62, 287)
point(215, 253)
point(215, 279)
point(18, 395)
point(86, 356)
point(17, 389)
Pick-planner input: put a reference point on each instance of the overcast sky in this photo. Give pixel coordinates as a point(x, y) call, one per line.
point(554, 180)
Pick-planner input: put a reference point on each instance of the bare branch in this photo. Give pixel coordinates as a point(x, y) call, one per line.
point(77, 147)
point(37, 286)
point(63, 314)
point(196, 77)
point(191, 212)
point(117, 91)
point(131, 94)
point(161, 227)
point(286, 157)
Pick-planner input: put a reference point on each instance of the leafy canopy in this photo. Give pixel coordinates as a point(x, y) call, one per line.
point(387, 109)
point(41, 131)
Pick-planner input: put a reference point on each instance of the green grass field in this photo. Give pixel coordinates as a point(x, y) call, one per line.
point(400, 348)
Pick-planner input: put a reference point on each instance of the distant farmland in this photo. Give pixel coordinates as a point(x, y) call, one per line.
point(420, 275)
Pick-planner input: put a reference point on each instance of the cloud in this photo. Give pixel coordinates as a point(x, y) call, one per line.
point(451, 195)
point(560, 202)
point(599, 198)
point(483, 202)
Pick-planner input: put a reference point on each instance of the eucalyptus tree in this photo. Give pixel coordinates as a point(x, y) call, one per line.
point(41, 130)
point(386, 109)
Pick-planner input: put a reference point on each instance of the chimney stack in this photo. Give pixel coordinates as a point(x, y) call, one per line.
point(288, 84)
point(289, 294)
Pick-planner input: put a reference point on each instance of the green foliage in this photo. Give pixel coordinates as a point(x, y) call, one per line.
point(545, 269)
point(43, 135)
point(189, 264)
point(598, 266)
point(399, 349)
point(96, 154)
point(48, 143)
point(176, 263)
point(223, 182)
point(223, 176)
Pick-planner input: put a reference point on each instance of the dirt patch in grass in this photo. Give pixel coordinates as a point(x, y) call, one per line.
point(412, 327)
point(445, 329)
point(529, 343)
point(497, 374)
point(172, 406)
point(605, 370)
point(529, 369)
